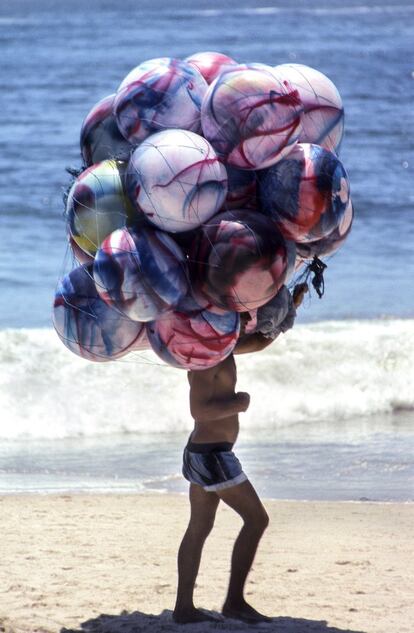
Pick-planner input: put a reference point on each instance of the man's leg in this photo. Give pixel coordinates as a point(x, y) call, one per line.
point(244, 500)
point(203, 511)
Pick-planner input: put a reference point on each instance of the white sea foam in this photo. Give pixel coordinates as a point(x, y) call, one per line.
point(324, 371)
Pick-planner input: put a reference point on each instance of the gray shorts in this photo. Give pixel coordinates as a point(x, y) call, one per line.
point(213, 466)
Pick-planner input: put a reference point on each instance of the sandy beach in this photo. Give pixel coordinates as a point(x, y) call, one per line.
point(107, 563)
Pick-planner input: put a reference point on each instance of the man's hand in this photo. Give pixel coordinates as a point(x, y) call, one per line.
point(244, 399)
point(254, 342)
point(299, 292)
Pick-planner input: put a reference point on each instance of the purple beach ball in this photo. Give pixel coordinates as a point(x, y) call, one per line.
point(87, 325)
point(140, 272)
point(194, 338)
point(239, 260)
point(251, 118)
point(177, 180)
point(100, 138)
point(165, 96)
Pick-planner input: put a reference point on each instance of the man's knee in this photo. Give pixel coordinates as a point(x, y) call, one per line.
point(265, 519)
point(257, 521)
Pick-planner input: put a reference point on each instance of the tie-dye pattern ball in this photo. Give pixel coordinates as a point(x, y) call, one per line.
point(332, 242)
point(139, 71)
point(86, 324)
point(97, 205)
point(100, 137)
point(323, 114)
point(80, 255)
point(142, 343)
point(306, 193)
point(250, 117)
point(166, 96)
point(141, 272)
point(208, 185)
point(239, 260)
point(211, 64)
point(291, 258)
point(176, 179)
point(193, 338)
point(241, 189)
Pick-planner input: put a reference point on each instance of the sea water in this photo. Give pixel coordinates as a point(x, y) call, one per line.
point(332, 401)
point(330, 416)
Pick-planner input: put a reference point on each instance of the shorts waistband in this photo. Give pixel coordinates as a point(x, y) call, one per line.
point(209, 447)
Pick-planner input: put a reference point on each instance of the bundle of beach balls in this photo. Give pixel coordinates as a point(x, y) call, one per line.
point(205, 185)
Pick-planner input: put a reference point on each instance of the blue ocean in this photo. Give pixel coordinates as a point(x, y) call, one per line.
point(332, 407)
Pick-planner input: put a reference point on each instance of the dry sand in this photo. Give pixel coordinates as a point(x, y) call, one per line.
point(107, 563)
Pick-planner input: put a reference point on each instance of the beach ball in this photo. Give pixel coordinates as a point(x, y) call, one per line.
point(329, 244)
point(86, 324)
point(193, 338)
point(78, 253)
point(176, 179)
point(142, 68)
point(291, 259)
point(166, 96)
point(251, 118)
point(306, 193)
point(239, 260)
point(241, 189)
point(97, 205)
point(142, 343)
point(100, 137)
point(185, 239)
point(210, 64)
point(323, 112)
point(140, 272)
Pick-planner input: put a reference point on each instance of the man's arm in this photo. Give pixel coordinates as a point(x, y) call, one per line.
point(252, 343)
point(205, 406)
point(256, 341)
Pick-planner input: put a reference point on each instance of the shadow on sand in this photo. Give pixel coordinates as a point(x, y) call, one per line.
point(138, 622)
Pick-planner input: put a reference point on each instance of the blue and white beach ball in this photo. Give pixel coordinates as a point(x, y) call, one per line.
point(177, 180)
point(87, 325)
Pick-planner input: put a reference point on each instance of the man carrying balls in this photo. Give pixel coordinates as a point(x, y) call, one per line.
point(215, 473)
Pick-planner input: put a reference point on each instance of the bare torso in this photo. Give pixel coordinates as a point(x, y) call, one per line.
point(214, 386)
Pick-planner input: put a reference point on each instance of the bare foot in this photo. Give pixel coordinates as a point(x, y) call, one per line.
point(244, 612)
point(185, 616)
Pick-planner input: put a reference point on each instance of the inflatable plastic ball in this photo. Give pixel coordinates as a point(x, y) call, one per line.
point(210, 64)
point(142, 343)
point(100, 137)
point(306, 193)
point(142, 68)
point(97, 205)
point(140, 272)
point(176, 179)
point(193, 338)
point(251, 118)
point(291, 258)
point(86, 325)
point(241, 189)
point(239, 260)
point(323, 114)
point(332, 242)
point(166, 96)
point(78, 253)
